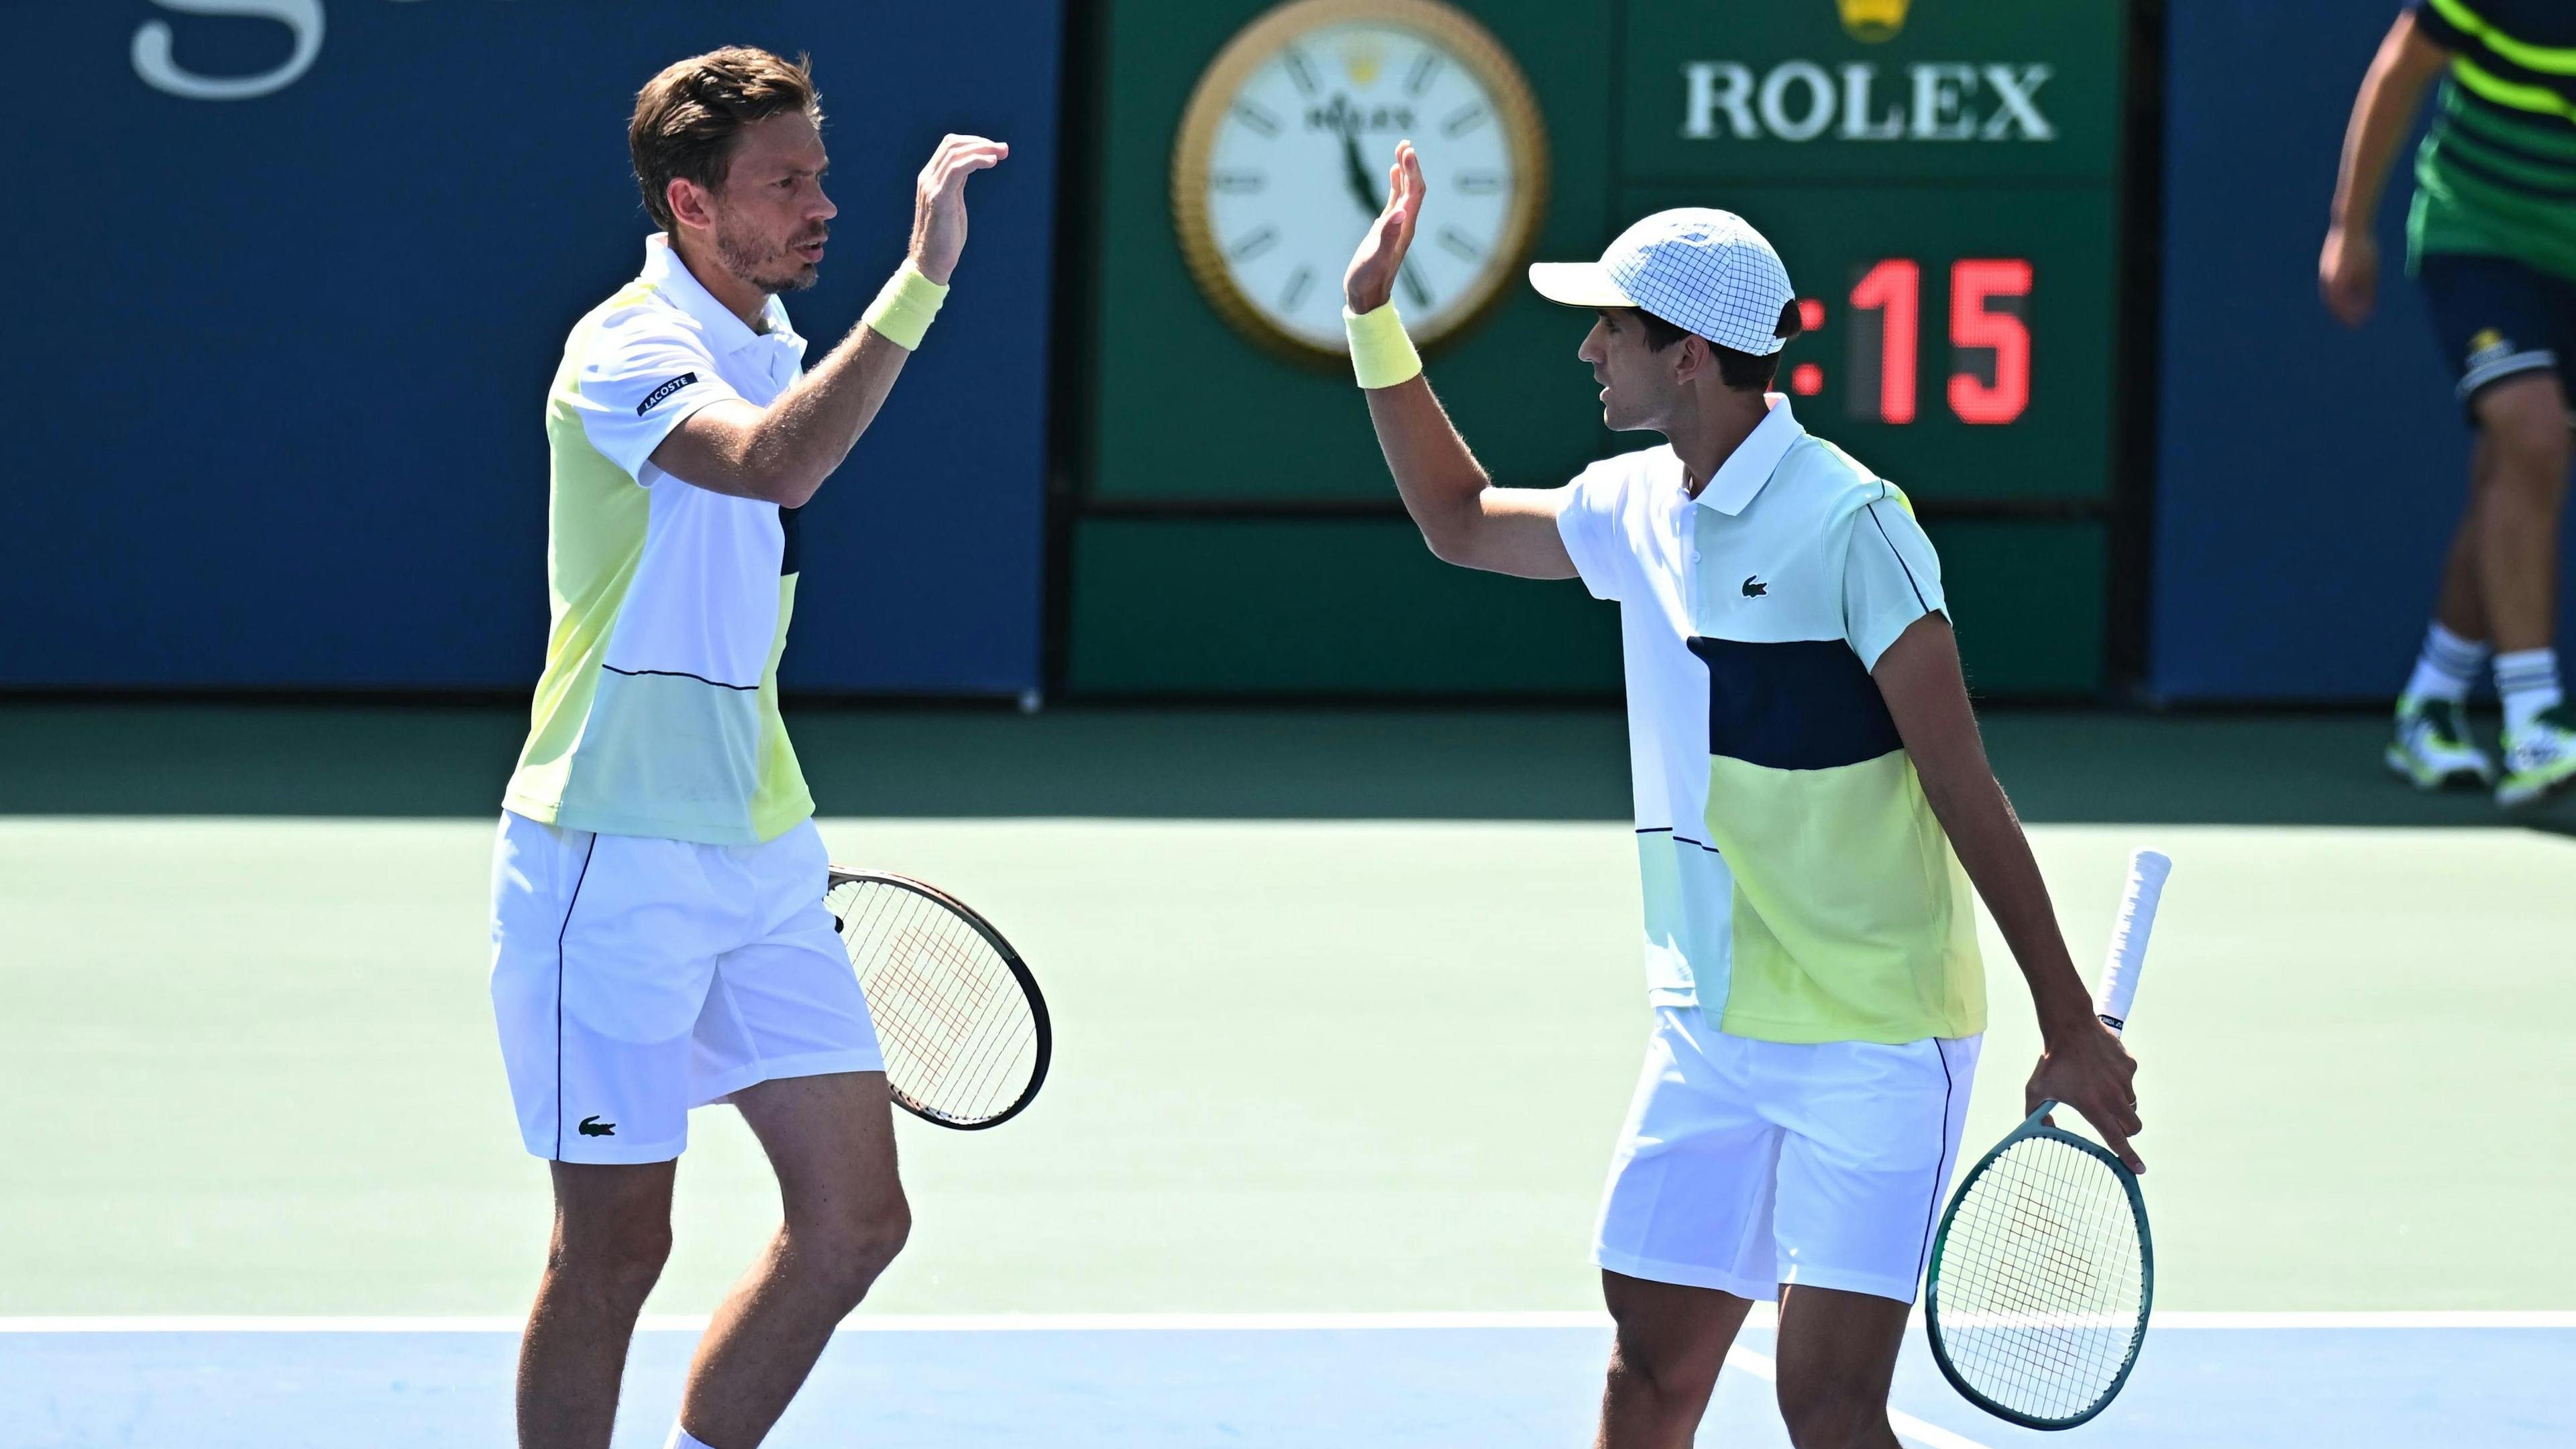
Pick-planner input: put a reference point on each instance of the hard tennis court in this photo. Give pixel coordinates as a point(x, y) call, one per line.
point(1346, 1016)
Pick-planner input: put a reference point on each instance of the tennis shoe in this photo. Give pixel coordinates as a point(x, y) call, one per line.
point(2539, 758)
point(2432, 748)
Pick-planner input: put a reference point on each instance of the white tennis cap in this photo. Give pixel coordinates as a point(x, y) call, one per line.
point(1703, 270)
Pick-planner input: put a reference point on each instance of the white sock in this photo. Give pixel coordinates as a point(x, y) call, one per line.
point(2448, 665)
point(683, 1439)
point(2528, 680)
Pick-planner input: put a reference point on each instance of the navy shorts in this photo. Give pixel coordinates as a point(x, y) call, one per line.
point(2497, 318)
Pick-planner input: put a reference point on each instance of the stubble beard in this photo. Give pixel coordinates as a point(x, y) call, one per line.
point(752, 259)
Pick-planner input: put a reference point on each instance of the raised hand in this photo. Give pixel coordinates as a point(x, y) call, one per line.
point(939, 202)
point(1371, 278)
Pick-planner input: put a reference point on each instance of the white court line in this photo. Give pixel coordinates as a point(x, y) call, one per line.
point(1763, 1317)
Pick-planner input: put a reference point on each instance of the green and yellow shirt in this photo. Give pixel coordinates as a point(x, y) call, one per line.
point(2497, 172)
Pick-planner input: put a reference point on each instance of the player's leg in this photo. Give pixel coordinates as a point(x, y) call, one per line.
point(612, 1233)
point(1871, 1140)
point(1837, 1355)
point(2506, 328)
point(1671, 1341)
point(831, 1138)
point(2461, 607)
point(597, 974)
point(1684, 1242)
point(785, 1036)
point(2524, 422)
point(2475, 303)
point(2432, 748)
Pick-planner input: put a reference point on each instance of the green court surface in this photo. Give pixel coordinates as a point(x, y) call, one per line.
point(1347, 1008)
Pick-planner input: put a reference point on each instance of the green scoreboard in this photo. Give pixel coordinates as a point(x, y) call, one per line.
point(1941, 176)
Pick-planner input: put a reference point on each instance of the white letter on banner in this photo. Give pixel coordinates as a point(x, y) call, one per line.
point(1858, 77)
point(1940, 92)
point(159, 67)
point(1820, 100)
point(1707, 98)
point(2018, 108)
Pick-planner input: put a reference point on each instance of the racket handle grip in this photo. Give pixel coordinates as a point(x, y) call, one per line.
point(2146, 888)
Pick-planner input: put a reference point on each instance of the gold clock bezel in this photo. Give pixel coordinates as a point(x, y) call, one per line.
point(1455, 32)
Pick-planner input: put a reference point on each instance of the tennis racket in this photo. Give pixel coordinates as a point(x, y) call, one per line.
point(2043, 1271)
point(958, 1016)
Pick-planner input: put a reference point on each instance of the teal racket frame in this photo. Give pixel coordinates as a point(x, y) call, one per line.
point(2036, 1125)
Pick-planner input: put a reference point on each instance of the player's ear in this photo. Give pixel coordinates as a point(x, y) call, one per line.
point(1691, 358)
point(689, 202)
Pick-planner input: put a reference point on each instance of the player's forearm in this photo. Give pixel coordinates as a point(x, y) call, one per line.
point(807, 434)
point(1996, 854)
point(2382, 114)
point(1919, 677)
point(1439, 480)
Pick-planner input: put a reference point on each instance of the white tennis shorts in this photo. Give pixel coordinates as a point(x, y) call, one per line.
point(1748, 1164)
point(636, 978)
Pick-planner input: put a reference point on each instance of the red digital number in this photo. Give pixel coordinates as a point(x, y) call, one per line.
point(1972, 285)
point(1894, 290)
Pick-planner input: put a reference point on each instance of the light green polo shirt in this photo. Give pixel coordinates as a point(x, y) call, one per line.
point(1797, 885)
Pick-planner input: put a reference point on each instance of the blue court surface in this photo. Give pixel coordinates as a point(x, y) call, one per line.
point(1502, 1381)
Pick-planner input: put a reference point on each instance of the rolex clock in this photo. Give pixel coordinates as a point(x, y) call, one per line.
point(1281, 164)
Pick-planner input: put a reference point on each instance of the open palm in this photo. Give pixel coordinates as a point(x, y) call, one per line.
point(1371, 278)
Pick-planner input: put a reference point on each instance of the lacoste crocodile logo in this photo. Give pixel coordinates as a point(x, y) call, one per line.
point(1754, 588)
point(593, 1127)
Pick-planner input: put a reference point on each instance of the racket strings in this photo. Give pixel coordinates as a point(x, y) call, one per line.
point(959, 1037)
point(2042, 1284)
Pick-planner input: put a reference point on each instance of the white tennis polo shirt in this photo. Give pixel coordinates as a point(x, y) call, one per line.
point(1797, 886)
point(657, 713)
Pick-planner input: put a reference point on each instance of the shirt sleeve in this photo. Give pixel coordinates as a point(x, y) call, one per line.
point(1891, 577)
point(2436, 27)
point(1589, 524)
point(647, 370)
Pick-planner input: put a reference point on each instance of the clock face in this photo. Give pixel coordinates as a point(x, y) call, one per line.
point(1283, 164)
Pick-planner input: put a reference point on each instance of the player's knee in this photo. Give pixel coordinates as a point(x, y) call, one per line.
point(849, 1251)
point(1662, 1372)
point(618, 1258)
point(2527, 431)
point(1823, 1412)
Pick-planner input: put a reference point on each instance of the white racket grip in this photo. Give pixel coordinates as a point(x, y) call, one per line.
point(2146, 888)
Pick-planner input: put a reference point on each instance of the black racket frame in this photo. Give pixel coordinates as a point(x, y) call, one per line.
point(839, 877)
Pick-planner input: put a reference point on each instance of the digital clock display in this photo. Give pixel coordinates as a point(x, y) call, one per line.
point(1964, 351)
point(1989, 341)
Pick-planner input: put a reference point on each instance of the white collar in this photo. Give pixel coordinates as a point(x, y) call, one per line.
point(1751, 464)
point(664, 269)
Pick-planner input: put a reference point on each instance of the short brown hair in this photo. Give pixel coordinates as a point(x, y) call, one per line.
point(1739, 371)
point(688, 117)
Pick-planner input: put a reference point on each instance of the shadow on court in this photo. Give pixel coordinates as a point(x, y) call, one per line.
point(417, 760)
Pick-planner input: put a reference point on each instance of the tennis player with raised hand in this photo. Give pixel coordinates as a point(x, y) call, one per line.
point(1813, 805)
point(660, 940)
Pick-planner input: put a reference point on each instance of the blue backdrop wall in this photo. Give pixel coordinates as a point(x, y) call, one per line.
point(2308, 477)
point(278, 361)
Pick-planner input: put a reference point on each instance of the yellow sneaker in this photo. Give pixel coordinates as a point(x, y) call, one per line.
point(2432, 748)
point(2539, 759)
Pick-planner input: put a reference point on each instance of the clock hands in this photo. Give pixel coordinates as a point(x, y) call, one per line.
point(1356, 172)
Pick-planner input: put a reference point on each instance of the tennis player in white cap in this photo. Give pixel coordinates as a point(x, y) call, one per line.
point(1813, 804)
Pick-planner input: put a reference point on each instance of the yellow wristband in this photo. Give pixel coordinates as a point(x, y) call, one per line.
point(902, 311)
point(1381, 354)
